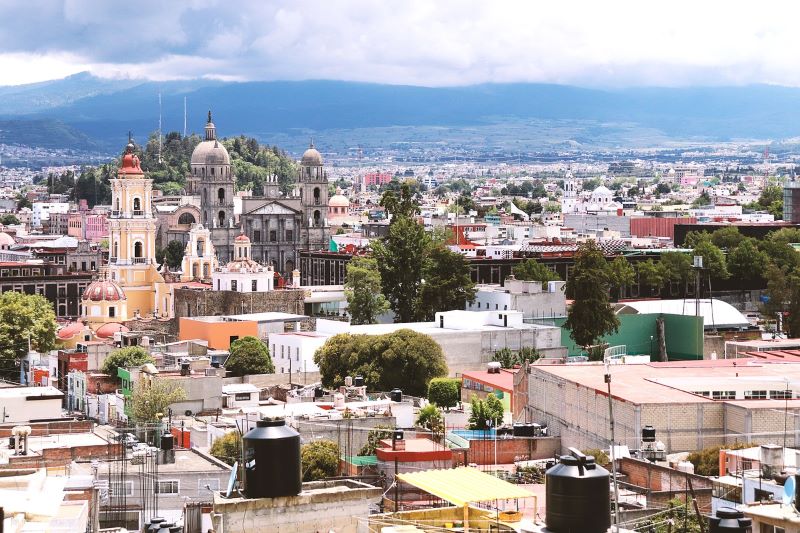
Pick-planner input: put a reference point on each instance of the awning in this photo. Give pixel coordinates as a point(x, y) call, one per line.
point(464, 485)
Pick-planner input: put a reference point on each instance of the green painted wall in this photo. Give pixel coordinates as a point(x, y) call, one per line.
point(684, 335)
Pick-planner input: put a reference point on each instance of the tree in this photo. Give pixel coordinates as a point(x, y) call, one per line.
point(713, 259)
point(249, 356)
point(703, 199)
point(363, 291)
point(129, 357)
point(228, 448)
point(374, 438)
point(319, 460)
point(590, 317)
point(401, 260)
point(9, 219)
point(404, 359)
point(509, 359)
point(676, 267)
point(746, 261)
point(620, 275)
point(151, 398)
point(24, 316)
point(505, 357)
point(532, 270)
point(444, 392)
point(172, 254)
point(650, 275)
point(777, 289)
point(483, 411)
point(727, 238)
point(23, 202)
point(706, 461)
point(430, 418)
point(447, 283)
point(402, 203)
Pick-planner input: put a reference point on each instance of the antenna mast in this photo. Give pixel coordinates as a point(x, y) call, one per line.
point(159, 128)
point(184, 116)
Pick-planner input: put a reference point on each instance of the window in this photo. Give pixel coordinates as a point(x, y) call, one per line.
point(780, 394)
point(208, 484)
point(763, 495)
point(254, 285)
point(257, 236)
point(234, 285)
point(723, 395)
point(170, 486)
point(273, 236)
point(112, 311)
point(755, 395)
point(289, 235)
point(242, 396)
point(115, 487)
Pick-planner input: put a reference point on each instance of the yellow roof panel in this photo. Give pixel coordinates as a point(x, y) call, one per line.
point(464, 485)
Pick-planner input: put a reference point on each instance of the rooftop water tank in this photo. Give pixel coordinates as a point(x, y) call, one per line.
point(396, 395)
point(648, 434)
point(578, 498)
point(729, 520)
point(272, 460)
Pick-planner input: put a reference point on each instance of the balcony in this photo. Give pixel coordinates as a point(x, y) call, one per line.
point(138, 213)
point(140, 260)
point(112, 260)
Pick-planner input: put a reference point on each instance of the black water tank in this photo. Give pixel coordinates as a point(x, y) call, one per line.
point(578, 498)
point(518, 429)
point(155, 524)
point(319, 392)
point(358, 381)
point(796, 498)
point(167, 441)
point(648, 434)
point(396, 395)
point(272, 460)
point(729, 520)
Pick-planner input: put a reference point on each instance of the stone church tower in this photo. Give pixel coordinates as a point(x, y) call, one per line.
point(313, 185)
point(213, 180)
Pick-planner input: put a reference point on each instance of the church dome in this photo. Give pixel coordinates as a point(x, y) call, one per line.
point(106, 331)
point(210, 151)
point(69, 330)
point(103, 290)
point(6, 239)
point(311, 157)
point(242, 238)
point(338, 200)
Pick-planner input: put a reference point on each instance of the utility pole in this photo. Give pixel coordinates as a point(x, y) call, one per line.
point(611, 448)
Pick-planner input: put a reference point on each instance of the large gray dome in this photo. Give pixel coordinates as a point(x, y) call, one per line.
point(311, 157)
point(210, 153)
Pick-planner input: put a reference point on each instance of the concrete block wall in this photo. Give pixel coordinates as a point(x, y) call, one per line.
point(190, 302)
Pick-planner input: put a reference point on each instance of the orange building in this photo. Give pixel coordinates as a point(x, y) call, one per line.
point(219, 331)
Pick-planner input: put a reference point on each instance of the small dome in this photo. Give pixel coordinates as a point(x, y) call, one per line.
point(311, 157)
point(242, 238)
point(6, 239)
point(338, 200)
point(106, 331)
point(69, 330)
point(103, 290)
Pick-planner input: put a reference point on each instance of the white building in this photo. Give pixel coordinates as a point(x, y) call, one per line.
point(42, 210)
point(243, 274)
point(532, 298)
point(468, 339)
point(199, 256)
point(569, 199)
point(29, 404)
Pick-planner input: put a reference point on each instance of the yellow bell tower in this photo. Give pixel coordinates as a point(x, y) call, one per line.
point(132, 240)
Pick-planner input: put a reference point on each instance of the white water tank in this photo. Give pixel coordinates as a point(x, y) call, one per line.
point(338, 401)
point(686, 466)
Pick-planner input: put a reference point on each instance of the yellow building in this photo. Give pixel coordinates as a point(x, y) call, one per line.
point(133, 280)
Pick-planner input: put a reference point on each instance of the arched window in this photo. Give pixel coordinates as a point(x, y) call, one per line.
point(221, 196)
point(137, 205)
point(186, 218)
point(195, 271)
point(317, 218)
point(200, 246)
point(316, 195)
point(289, 266)
point(206, 274)
point(116, 249)
point(137, 249)
point(221, 217)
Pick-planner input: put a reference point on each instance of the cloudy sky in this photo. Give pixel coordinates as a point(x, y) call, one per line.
point(421, 42)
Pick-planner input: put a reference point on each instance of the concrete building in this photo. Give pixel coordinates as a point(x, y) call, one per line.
point(321, 506)
point(691, 404)
point(468, 339)
point(532, 298)
point(21, 405)
point(41, 212)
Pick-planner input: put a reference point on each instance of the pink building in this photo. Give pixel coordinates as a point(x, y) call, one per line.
point(88, 225)
point(377, 178)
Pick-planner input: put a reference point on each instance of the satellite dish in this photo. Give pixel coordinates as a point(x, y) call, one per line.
point(788, 490)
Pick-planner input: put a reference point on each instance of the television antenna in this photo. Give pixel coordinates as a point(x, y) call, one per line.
point(159, 128)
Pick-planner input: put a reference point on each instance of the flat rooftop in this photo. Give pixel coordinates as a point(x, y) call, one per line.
point(267, 317)
point(28, 392)
point(503, 380)
point(676, 381)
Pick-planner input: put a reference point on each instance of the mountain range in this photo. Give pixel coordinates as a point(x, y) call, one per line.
point(86, 112)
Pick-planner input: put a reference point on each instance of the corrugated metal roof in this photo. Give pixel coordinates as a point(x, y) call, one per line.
point(464, 485)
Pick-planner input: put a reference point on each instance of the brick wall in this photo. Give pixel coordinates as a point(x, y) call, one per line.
point(482, 452)
point(55, 457)
point(663, 483)
point(191, 302)
point(51, 428)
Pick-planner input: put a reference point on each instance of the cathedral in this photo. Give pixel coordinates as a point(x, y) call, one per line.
point(278, 227)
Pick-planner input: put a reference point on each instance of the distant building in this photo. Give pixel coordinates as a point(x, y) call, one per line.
point(534, 299)
point(43, 210)
point(791, 202)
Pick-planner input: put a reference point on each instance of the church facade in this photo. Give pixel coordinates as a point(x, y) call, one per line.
point(278, 227)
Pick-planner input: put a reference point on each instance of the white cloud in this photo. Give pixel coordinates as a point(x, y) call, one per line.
point(442, 42)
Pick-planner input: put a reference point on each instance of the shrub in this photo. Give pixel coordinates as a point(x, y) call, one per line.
point(444, 392)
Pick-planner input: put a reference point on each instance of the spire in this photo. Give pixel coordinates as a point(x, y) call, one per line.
point(311, 143)
point(211, 130)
